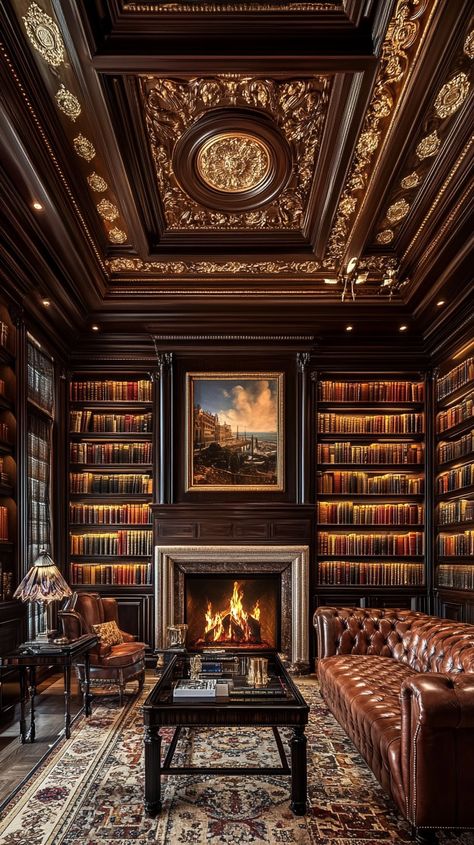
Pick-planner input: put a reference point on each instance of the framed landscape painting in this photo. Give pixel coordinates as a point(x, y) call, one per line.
point(235, 431)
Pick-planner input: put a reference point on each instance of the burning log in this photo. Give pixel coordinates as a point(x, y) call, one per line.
point(234, 624)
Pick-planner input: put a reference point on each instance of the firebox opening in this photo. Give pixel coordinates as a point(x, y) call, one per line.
point(225, 611)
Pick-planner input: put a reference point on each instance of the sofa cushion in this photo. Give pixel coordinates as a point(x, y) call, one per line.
point(363, 693)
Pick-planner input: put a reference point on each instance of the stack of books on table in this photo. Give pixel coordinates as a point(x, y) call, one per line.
point(209, 688)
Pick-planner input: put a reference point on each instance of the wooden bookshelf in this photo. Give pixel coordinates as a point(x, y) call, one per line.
point(112, 479)
point(8, 464)
point(370, 488)
point(454, 489)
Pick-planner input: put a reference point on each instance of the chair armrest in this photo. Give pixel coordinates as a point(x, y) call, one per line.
point(127, 638)
point(437, 749)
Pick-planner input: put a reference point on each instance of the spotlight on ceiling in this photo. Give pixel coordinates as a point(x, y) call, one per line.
point(403, 328)
point(95, 327)
point(37, 206)
point(440, 302)
point(349, 328)
point(46, 302)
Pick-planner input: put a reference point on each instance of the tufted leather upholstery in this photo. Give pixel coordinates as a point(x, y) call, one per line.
point(401, 684)
point(109, 665)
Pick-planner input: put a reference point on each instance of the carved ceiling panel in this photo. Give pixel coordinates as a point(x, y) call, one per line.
point(252, 151)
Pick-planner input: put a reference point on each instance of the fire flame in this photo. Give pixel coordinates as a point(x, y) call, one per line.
point(234, 610)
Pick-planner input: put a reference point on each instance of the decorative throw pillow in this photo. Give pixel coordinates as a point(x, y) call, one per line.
point(108, 633)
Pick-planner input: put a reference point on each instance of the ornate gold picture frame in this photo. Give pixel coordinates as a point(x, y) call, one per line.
point(235, 431)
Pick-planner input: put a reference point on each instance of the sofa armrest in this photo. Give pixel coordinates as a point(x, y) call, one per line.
point(127, 638)
point(437, 749)
point(327, 625)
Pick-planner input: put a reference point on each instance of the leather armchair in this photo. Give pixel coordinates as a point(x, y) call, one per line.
point(110, 666)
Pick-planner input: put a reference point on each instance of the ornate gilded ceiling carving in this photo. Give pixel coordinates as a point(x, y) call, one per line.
point(45, 38)
point(397, 57)
point(434, 131)
point(297, 109)
point(233, 162)
point(210, 268)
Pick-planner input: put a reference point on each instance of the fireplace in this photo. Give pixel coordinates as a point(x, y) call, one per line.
point(203, 585)
point(231, 612)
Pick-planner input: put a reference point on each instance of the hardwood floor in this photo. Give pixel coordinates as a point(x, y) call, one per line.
point(17, 761)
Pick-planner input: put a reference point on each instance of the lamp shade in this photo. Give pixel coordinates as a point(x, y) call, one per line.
point(43, 582)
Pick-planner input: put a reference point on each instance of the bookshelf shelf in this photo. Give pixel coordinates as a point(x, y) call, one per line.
point(6, 490)
point(460, 493)
point(456, 396)
point(455, 430)
point(383, 403)
point(454, 463)
point(121, 575)
point(453, 526)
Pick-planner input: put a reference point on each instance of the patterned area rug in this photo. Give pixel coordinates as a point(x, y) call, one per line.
point(89, 791)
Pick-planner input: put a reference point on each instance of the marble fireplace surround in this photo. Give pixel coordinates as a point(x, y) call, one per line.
point(173, 563)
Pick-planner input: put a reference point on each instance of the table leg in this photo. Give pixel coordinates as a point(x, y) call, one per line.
point(23, 700)
point(152, 741)
point(32, 731)
point(67, 700)
point(87, 697)
point(298, 772)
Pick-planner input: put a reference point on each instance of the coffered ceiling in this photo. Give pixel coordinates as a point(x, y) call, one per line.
point(190, 152)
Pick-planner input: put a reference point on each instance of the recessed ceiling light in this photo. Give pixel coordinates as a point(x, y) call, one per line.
point(440, 302)
point(403, 328)
point(95, 327)
point(349, 328)
point(46, 302)
point(37, 206)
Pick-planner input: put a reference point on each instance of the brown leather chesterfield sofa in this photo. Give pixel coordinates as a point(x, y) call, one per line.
point(110, 665)
point(401, 684)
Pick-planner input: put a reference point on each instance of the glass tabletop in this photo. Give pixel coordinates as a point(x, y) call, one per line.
point(225, 678)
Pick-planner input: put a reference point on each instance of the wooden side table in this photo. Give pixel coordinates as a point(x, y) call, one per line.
point(50, 654)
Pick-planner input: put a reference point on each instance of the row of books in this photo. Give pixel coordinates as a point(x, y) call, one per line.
point(359, 482)
point(453, 449)
point(114, 391)
point(119, 543)
point(456, 378)
point(129, 514)
point(409, 544)
point(370, 391)
point(4, 477)
point(111, 453)
point(85, 421)
point(348, 513)
point(462, 510)
point(456, 478)
point(331, 423)
point(393, 574)
point(457, 414)
point(4, 432)
point(459, 577)
point(3, 333)
point(123, 484)
point(373, 453)
point(6, 585)
point(3, 523)
point(456, 545)
point(120, 574)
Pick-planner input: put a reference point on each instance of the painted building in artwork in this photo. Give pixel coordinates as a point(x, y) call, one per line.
point(208, 429)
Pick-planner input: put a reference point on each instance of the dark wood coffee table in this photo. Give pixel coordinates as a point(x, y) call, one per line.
point(287, 709)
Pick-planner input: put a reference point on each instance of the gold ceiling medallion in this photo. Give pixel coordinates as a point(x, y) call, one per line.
point(117, 236)
point(44, 35)
point(296, 108)
point(233, 162)
point(107, 210)
point(410, 181)
point(84, 148)
point(209, 268)
point(428, 146)
point(68, 103)
point(469, 45)
point(398, 211)
point(385, 237)
point(452, 95)
point(97, 183)
point(397, 58)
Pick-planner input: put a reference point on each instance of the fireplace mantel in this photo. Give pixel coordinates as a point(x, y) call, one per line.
point(292, 561)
